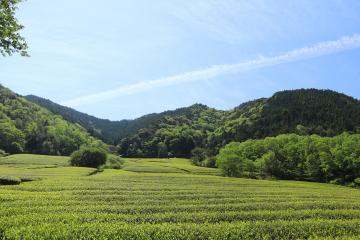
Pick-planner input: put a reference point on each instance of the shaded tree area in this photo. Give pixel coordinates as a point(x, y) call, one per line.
point(26, 127)
point(290, 156)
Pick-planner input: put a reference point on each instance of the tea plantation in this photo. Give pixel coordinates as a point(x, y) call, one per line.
point(166, 199)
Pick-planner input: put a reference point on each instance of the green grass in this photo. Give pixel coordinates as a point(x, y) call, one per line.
point(39, 166)
point(167, 199)
point(172, 165)
point(22, 160)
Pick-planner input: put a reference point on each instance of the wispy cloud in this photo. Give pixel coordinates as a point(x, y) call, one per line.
point(317, 50)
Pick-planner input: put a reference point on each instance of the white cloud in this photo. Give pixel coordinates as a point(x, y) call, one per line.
point(319, 49)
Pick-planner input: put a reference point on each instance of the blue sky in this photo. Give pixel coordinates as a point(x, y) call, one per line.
point(122, 59)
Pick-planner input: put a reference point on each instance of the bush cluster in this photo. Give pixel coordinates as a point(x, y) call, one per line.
point(113, 162)
point(88, 157)
point(3, 153)
point(200, 157)
point(95, 157)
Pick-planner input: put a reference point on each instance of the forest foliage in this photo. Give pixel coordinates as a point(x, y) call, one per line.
point(290, 156)
point(10, 39)
point(177, 133)
point(109, 131)
point(26, 127)
point(304, 112)
point(173, 136)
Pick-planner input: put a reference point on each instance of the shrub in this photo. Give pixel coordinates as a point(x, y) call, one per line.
point(357, 182)
point(9, 180)
point(88, 157)
point(3, 153)
point(198, 155)
point(114, 162)
point(210, 162)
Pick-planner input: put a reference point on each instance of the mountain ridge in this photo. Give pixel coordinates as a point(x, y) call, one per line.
point(104, 129)
point(301, 111)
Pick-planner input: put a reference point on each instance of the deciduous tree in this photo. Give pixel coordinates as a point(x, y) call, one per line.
point(10, 39)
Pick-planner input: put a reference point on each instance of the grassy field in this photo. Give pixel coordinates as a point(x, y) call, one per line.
point(174, 165)
point(167, 199)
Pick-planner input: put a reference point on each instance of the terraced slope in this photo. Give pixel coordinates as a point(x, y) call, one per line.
point(128, 204)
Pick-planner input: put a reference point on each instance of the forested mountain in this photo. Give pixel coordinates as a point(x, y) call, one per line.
point(101, 128)
point(177, 133)
point(108, 131)
point(304, 111)
point(26, 127)
point(174, 135)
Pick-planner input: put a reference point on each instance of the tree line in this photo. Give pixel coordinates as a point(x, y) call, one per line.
point(290, 156)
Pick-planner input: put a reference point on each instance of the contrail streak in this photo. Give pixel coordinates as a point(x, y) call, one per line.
point(316, 50)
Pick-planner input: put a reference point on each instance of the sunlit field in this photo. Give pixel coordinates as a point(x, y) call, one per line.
point(167, 199)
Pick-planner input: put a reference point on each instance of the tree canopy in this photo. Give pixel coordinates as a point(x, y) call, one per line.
point(173, 135)
point(10, 39)
point(290, 156)
point(88, 157)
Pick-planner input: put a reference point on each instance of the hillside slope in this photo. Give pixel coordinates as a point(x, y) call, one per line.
point(177, 133)
point(26, 127)
point(304, 111)
point(174, 135)
point(108, 131)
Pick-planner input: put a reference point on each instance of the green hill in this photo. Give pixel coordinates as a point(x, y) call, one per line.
point(108, 131)
point(303, 111)
point(176, 133)
point(26, 127)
